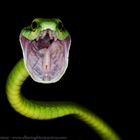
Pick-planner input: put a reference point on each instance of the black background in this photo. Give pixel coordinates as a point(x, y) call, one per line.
point(97, 75)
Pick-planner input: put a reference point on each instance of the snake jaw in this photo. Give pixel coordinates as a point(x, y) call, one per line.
point(46, 57)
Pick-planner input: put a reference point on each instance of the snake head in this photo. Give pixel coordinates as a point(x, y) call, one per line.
point(45, 46)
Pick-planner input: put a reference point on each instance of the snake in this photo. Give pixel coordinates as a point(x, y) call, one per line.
point(45, 45)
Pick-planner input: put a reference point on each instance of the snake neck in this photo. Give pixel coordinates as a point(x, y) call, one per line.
point(30, 108)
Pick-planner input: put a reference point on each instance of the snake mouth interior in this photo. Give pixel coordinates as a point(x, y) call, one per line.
point(46, 57)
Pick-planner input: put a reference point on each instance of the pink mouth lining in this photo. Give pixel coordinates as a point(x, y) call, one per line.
point(46, 58)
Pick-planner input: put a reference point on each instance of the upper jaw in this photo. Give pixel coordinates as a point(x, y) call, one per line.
point(51, 34)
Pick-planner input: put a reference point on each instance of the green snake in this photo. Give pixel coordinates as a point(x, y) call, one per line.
point(45, 45)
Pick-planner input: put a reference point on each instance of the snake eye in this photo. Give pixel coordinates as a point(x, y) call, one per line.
point(34, 25)
point(60, 25)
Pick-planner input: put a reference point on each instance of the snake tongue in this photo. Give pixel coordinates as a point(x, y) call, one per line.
point(46, 58)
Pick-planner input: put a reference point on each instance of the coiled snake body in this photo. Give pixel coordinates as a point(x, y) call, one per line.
point(45, 46)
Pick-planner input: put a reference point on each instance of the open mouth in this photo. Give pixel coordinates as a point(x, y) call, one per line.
point(46, 57)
